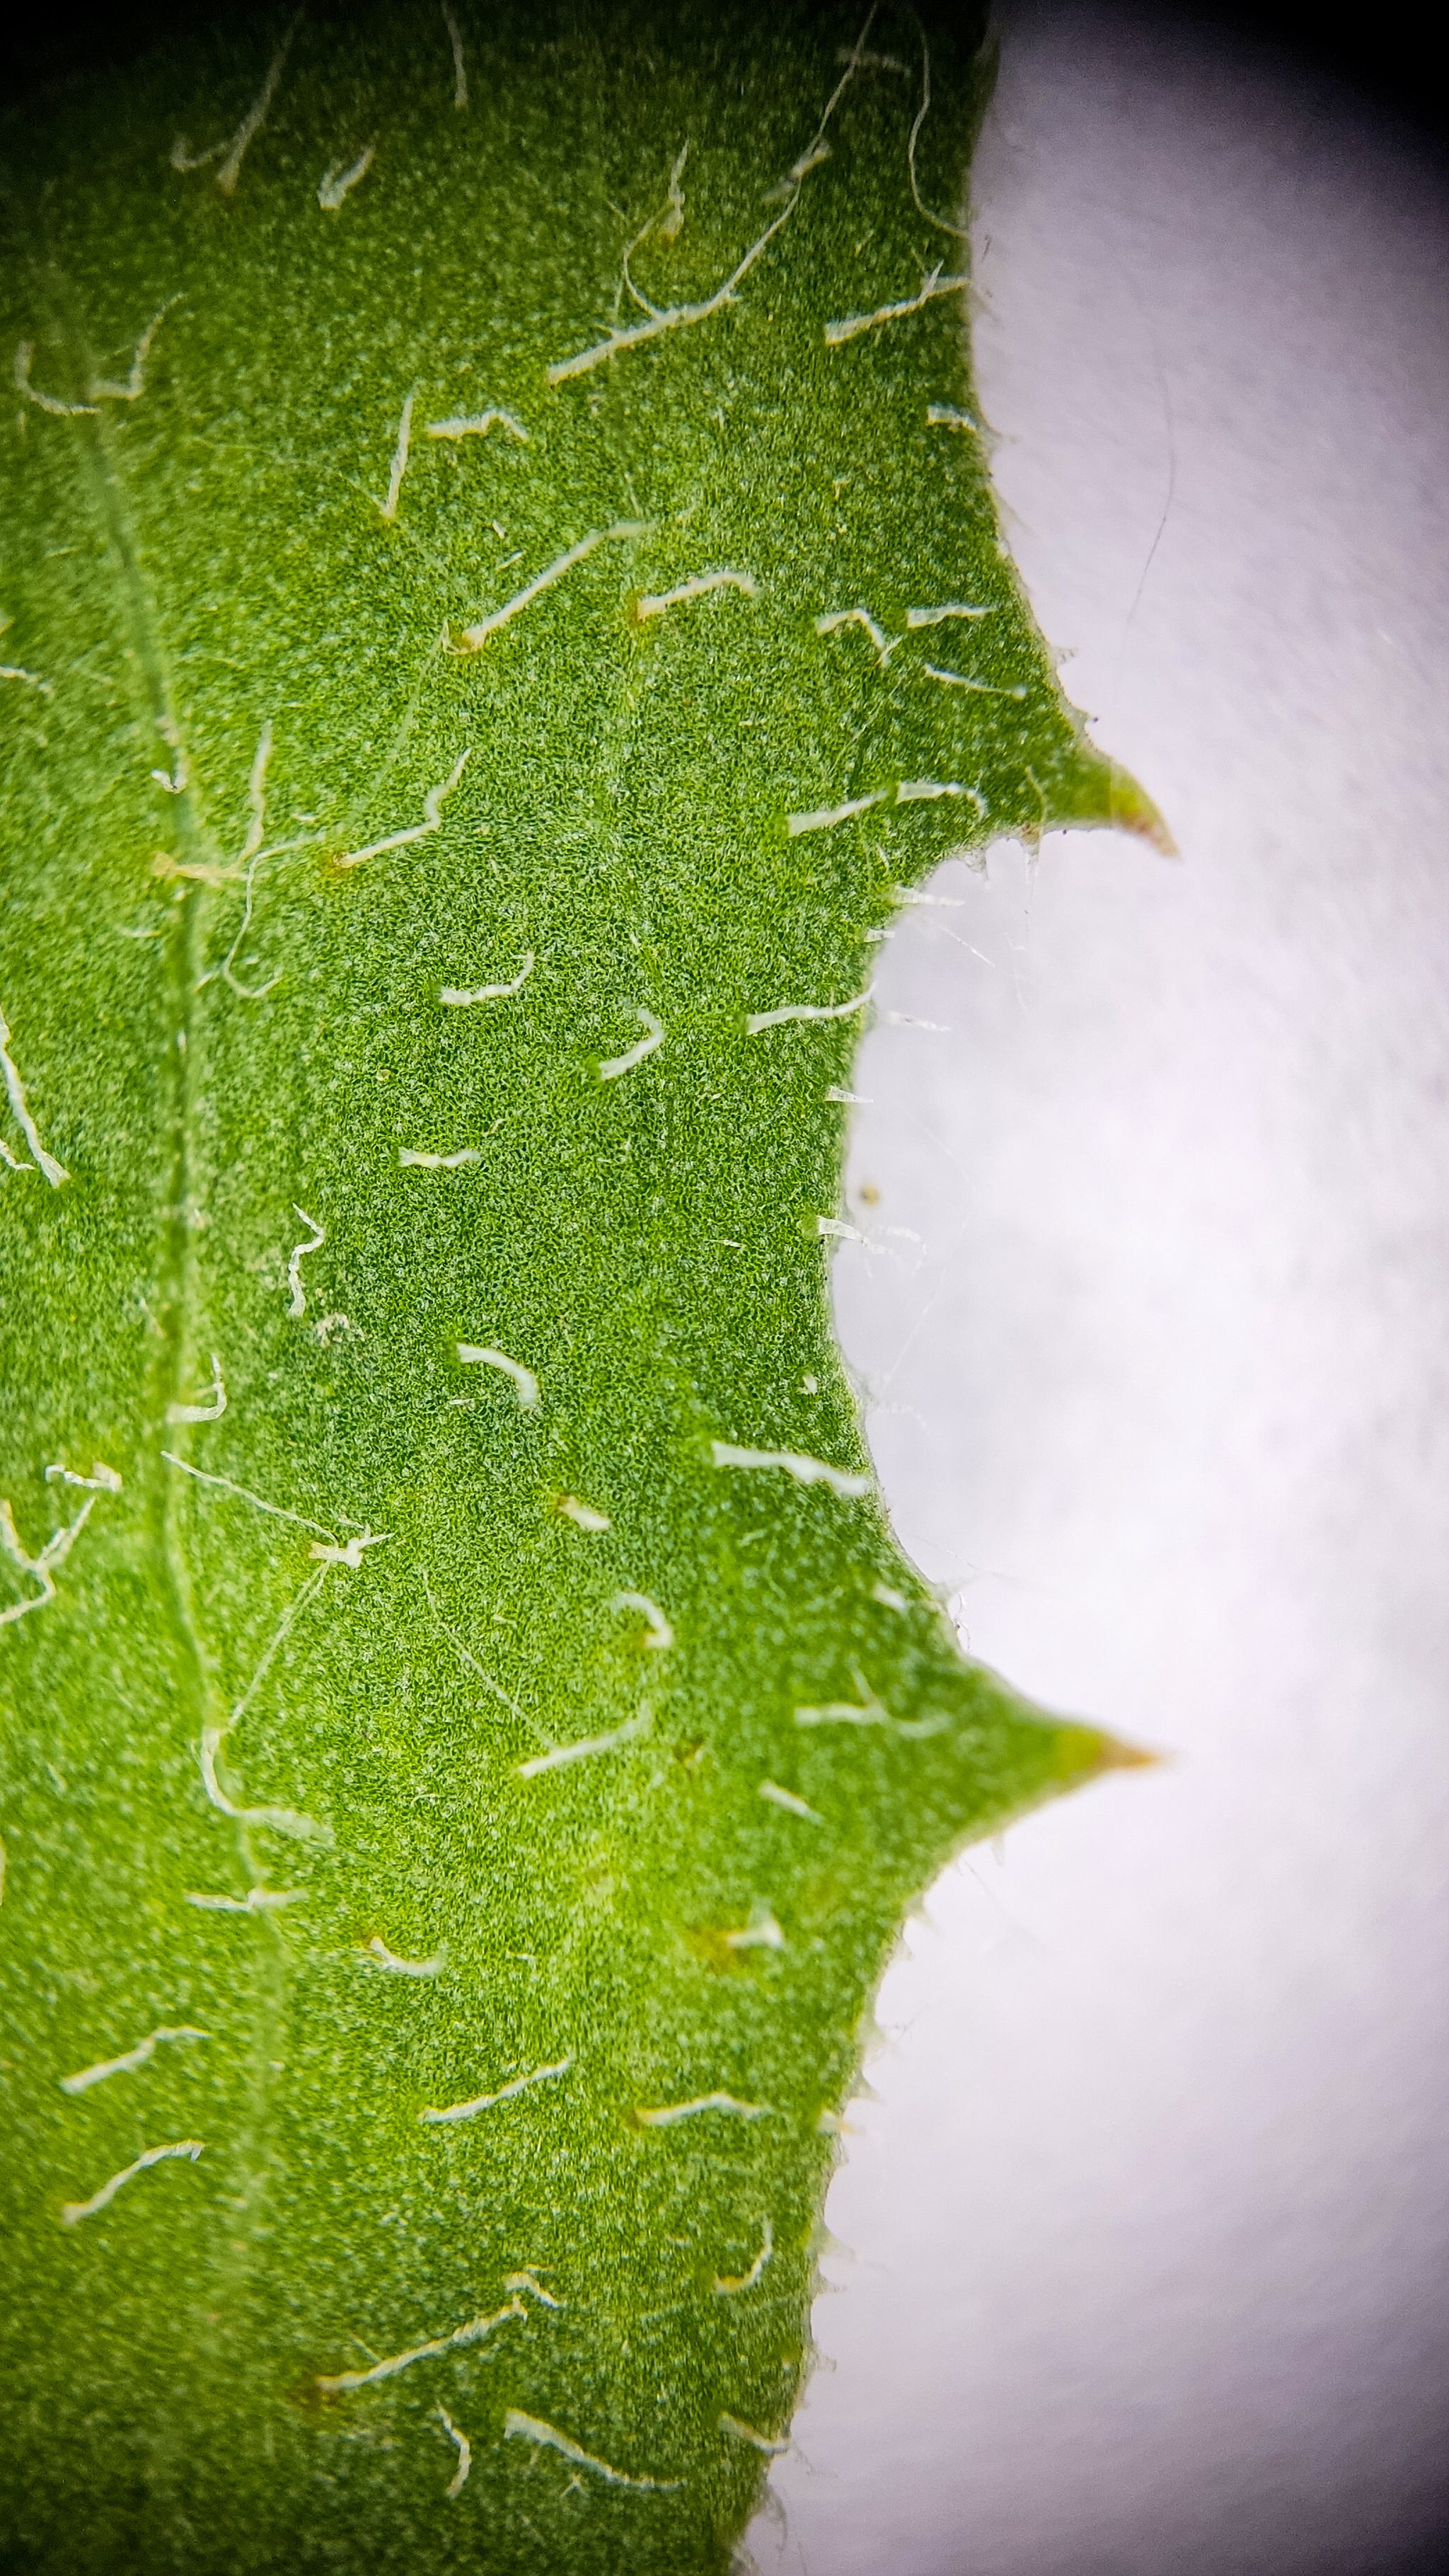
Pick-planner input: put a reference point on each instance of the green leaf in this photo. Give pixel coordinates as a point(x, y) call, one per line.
point(503, 592)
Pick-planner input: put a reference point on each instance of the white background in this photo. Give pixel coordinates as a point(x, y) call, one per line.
point(1141, 2251)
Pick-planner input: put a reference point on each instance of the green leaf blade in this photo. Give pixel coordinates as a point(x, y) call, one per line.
point(314, 1806)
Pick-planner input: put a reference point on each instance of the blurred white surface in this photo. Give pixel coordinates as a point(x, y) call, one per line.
point(1143, 2248)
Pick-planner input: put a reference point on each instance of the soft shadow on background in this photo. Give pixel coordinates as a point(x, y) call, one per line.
point(1141, 2249)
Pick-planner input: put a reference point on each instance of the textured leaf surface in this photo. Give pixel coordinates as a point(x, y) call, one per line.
point(468, 1749)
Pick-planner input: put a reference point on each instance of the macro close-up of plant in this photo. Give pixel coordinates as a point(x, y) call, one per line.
point(501, 605)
